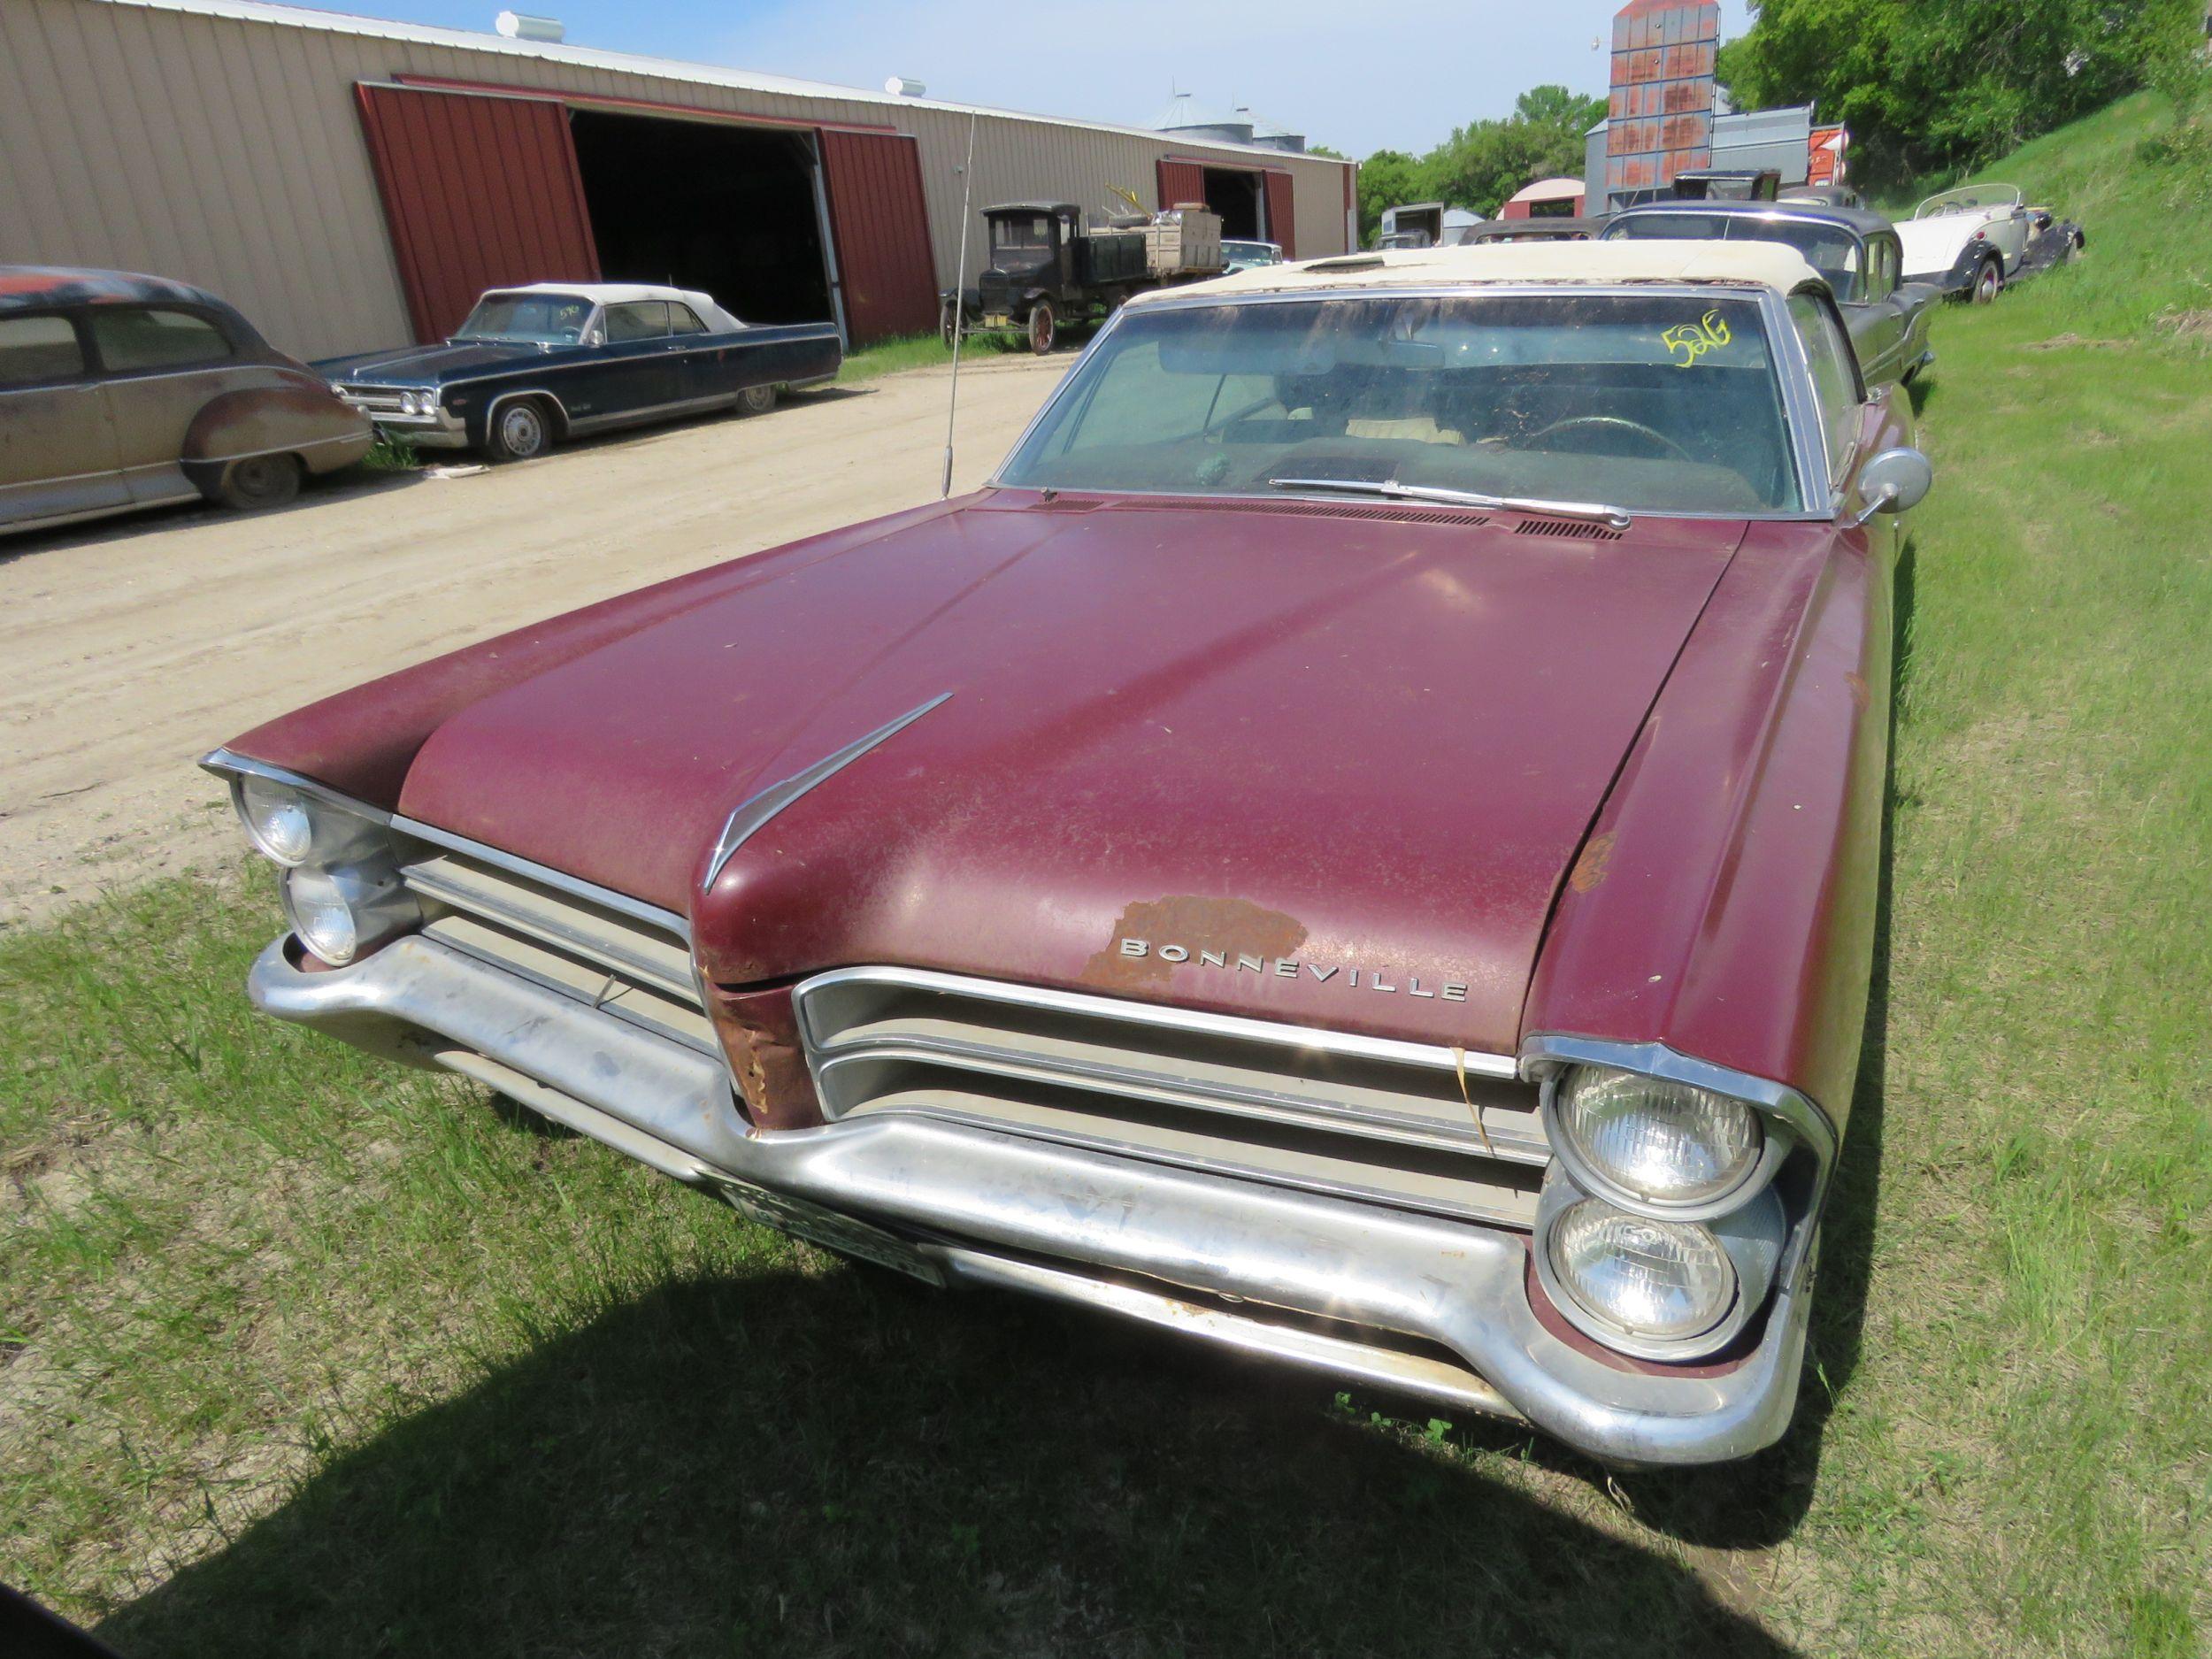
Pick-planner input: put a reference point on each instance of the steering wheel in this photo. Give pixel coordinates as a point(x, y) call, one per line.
point(1610, 423)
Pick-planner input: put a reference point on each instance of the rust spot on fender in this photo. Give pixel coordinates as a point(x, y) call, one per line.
point(1859, 695)
point(1229, 928)
point(1590, 869)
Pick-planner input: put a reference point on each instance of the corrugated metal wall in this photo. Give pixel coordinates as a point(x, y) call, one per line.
point(884, 267)
point(226, 151)
point(480, 193)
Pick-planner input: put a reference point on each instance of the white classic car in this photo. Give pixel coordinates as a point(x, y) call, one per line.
point(1972, 241)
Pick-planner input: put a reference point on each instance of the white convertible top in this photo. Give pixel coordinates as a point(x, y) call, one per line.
point(1758, 264)
point(717, 320)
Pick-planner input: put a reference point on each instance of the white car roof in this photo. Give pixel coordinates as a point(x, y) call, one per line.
point(627, 293)
point(1757, 264)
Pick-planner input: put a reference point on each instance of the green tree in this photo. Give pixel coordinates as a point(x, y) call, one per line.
point(1387, 179)
point(1927, 85)
point(1482, 165)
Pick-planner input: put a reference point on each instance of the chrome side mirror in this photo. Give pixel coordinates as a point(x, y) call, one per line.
point(1896, 480)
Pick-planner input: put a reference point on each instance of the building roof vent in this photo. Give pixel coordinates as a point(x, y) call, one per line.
point(521, 26)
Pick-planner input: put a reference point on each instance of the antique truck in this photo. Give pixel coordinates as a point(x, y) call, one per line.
point(1050, 267)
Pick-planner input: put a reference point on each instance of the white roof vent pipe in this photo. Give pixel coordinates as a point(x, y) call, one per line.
point(521, 26)
point(904, 86)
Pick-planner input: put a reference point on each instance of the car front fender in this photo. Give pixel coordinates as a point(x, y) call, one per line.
point(294, 414)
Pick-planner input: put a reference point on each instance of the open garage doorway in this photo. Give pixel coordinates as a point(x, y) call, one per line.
point(1234, 193)
point(707, 204)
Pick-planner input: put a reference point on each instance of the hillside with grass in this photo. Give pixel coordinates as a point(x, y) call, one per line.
point(299, 1355)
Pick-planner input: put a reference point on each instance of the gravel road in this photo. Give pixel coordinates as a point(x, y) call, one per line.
point(135, 645)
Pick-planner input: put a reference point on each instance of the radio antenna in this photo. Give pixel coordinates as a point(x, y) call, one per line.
point(959, 305)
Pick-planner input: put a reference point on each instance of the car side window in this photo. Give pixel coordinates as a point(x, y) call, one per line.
point(133, 339)
point(641, 320)
point(35, 350)
point(1835, 377)
point(683, 320)
point(1882, 268)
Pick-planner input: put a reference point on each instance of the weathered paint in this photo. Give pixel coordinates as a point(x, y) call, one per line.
point(881, 223)
point(1629, 790)
point(480, 193)
point(1308, 713)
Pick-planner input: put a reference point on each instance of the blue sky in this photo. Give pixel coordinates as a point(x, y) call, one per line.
point(1358, 77)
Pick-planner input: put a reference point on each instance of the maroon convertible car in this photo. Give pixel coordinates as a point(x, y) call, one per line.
point(1360, 844)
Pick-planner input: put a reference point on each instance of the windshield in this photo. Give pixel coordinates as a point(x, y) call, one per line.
point(1969, 199)
point(1830, 249)
point(1650, 403)
point(1251, 252)
point(543, 320)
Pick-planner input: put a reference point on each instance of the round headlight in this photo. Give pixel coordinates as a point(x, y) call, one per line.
point(1657, 1280)
point(1670, 1143)
point(277, 818)
point(316, 905)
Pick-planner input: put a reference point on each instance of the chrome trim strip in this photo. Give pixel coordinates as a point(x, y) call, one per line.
point(754, 812)
point(637, 910)
point(230, 767)
point(1349, 1044)
point(601, 953)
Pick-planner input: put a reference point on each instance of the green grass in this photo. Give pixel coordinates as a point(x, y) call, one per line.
point(921, 351)
point(301, 1354)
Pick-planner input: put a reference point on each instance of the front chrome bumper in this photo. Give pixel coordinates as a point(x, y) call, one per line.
point(1142, 1239)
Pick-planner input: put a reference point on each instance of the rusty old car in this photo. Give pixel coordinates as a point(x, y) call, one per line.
point(120, 391)
point(1360, 843)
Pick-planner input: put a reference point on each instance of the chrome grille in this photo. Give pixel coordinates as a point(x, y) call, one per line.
point(373, 400)
point(618, 963)
point(1396, 1123)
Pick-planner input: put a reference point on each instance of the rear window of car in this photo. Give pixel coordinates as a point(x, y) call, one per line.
point(35, 349)
point(137, 337)
point(683, 320)
point(641, 320)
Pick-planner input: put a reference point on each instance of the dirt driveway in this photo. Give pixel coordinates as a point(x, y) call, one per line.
point(134, 646)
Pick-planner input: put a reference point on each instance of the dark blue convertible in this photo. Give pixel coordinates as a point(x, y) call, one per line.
point(533, 365)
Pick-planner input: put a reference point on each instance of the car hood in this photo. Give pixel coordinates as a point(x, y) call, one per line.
point(1934, 244)
point(1361, 744)
point(427, 364)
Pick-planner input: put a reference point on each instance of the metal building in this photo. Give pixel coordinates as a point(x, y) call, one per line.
point(352, 184)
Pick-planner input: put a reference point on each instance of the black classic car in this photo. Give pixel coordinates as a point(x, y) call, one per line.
point(533, 365)
point(1858, 253)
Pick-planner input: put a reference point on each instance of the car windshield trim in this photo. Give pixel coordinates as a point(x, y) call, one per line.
point(1392, 490)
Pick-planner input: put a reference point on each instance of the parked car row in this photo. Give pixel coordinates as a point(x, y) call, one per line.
point(1431, 714)
point(120, 391)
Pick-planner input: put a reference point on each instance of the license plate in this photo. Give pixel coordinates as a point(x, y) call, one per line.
point(818, 1225)
point(997, 319)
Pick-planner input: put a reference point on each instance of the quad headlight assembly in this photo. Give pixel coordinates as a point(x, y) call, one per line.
point(343, 892)
point(1679, 1195)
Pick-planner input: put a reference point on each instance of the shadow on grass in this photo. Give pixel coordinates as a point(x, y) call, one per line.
point(842, 1462)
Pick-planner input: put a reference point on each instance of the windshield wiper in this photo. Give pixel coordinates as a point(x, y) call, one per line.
point(1391, 490)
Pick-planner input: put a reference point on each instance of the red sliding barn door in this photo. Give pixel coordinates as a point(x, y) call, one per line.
point(884, 267)
point(1182, 181)
point(1282, 213)
point(480, 193)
